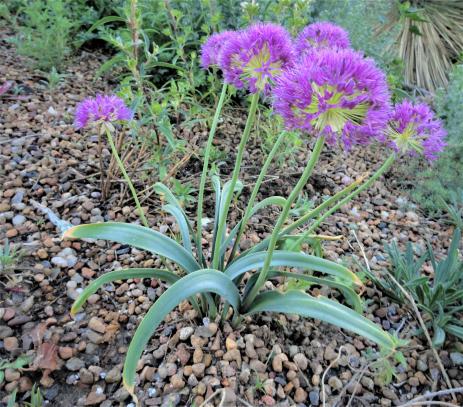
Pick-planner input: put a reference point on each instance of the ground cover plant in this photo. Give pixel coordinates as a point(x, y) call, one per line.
point(323, 89)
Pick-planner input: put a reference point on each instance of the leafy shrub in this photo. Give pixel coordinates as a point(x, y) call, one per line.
point(44, 33)
point(440, 299)
point(47, 29)
point(445, 178)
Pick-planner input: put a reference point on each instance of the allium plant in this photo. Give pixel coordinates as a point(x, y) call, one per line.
point(414, 130)
point(320, 35)
point(337, 97)
point(254, 57)
point(104, 111)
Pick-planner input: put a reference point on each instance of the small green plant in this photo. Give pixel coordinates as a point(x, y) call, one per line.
point(54, 79)
point(440, 299)
point(454, 209)
point(19, 363)
point(44, 33)
point(184, 192)
point(36, 398)
point(9, 256)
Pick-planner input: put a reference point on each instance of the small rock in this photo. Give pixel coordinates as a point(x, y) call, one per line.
point(5, 331)
point(113, 376)
point(75, 364)
point(314, 397)
point(18, 220)
point(301, 361)
point(186, 332)
point(457, 358)
point(335, 383)
point(300, 395)
point(97, 325)
point(10, 343)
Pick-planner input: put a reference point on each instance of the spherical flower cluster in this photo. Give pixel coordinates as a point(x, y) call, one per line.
point(256, 56)
point(413, 129)
point(101, 109)
point(211, 49)
point(320, 35)
point(338, 94)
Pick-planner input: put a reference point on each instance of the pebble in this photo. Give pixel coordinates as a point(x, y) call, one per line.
point(18, 220)
point(301, 361)
point(185, 333)
point(10, 343)
point(5, 331)
point(97, 325)
point(300, 395)
point(75, 364)
point(457, 358)
point(113, 376)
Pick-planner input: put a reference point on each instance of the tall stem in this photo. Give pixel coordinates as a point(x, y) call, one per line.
point(260, 179)
point(380, 171)
point(126, 176)
point(282, 218)
point(207, 153)
point(236, 172)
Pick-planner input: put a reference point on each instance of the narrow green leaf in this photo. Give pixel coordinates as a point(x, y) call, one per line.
point(455, 330)
point(323, 309)
point(351, 296)
point(201, 281)
point(106, 20)
point(124, 274)
point(182, 224)
point(282, 258)
point(139, 237)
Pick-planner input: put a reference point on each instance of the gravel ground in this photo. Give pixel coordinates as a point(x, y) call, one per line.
point(272, 360)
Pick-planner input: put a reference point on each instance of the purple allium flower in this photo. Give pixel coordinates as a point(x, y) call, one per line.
point(321, 35)
point(102, 108)
point(338, 94)
point(256, 56)
point(413, 129)
point(211, 49)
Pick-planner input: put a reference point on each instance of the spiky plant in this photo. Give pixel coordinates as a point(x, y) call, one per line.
point(429, 41)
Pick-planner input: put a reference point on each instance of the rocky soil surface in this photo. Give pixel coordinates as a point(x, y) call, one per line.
point(273, 360)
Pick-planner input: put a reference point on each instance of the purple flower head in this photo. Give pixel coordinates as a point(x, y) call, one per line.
point(102, 108)
point(338, 94)
point(256, 56)
point(321, 35)
point(413, 129)
point(211, 49)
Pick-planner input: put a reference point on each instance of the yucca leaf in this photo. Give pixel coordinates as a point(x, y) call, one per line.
point(323, 309)
point(136, 236)
point(123, 274)
point(182, 224)
point(283, 258)
point(201, 281)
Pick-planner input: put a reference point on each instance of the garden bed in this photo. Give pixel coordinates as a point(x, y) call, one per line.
point(272, 360)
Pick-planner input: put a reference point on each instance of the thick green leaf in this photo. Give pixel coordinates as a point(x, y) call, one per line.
point(323, 309)
point(106, 20)
point(139, 237)
point(182, 224)
point(283, 258)
point(201, 281)
point(455, 330)
point(124, 274)
point(351, 296)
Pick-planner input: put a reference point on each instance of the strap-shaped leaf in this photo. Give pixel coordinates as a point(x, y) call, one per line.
point(350, 295)
point(162, 189)
point(283, 258)
point(139, 237)
point(182, 224)
point(323, 309)
point(273, 200)
point(455, 330)
point(201, 281)
point(123, 274)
